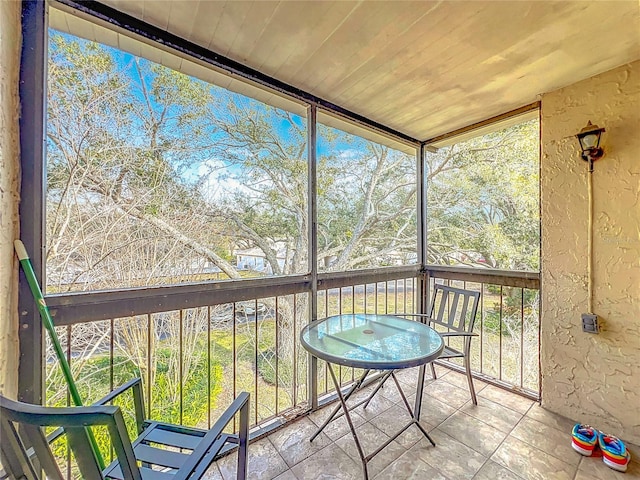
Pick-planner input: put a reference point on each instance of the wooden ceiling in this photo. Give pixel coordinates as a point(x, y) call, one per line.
point(423, 68)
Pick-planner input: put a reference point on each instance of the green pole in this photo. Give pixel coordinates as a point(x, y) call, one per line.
point(21, 251)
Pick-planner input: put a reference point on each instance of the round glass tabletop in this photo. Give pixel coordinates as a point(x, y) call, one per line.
point(381, 342)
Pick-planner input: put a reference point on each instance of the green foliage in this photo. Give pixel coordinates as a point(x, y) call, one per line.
point(267, 369)
point(94, 380)
point(159, 172)
point(483, 200)
point(516, 303)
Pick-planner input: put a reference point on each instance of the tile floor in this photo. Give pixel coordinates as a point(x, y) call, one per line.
point(505, 437)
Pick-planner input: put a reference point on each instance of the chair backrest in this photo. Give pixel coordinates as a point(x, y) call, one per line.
point(454, 308)
point(23, 438)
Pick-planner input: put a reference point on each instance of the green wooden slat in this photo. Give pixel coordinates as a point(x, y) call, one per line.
point(173, 439)
point(159, 456)
point(147, 474)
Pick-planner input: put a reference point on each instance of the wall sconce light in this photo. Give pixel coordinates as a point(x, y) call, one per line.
point(589, 138)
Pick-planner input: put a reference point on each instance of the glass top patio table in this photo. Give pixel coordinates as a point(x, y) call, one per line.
point(369, 341)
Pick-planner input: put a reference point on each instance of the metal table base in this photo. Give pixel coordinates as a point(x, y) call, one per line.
point(342, 405)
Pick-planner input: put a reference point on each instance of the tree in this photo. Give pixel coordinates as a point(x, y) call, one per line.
point(120, 139)
point(367, 203)
point(154, 177)
point(483, 200)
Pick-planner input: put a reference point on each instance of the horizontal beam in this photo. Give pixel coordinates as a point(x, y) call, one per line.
point(330, 280)
point(154, 34)
point(483, 123)
point(508, 278)
point(82, 307)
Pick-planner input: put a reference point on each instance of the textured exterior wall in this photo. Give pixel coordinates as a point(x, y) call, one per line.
point(9, 193)
point(592, 378)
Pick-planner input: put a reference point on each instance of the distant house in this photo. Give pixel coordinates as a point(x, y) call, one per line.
point(255, 259)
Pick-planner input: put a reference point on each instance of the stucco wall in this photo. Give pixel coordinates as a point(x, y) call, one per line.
point(9, 141)
point(592, 378)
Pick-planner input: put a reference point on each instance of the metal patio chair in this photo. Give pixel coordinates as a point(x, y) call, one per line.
point(454, 309)
point(458, 318)
point(161, 450)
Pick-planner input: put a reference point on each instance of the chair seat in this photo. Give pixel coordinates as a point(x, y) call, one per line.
point(147, 474)
point(166, 439)
point(449, 352)
point(162, 451)
point(172, 435)
point(160, 456)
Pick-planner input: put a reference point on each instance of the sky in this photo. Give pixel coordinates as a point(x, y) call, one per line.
point(216, 175)
point(125, 61)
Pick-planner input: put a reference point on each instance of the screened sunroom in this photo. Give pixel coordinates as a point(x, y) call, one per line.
point(196, 182)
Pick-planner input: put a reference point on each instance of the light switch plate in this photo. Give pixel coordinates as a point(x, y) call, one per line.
point(590, 323)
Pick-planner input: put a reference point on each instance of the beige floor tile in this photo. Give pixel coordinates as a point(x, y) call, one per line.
point(546, 438)
point(530, 462)
point(392, 420)
point(493, 471)
point(390, 391)
point(460, 381)
point(440, 371)
point(409, 376)
point(548, 418)
point(376, 406)
point(288, 475)
point(213, 473)
point(433, 411)
point(264, 462)
point(338, 427)
point(483, 438)
point(493, 414)
point(330, 463)
point(292, 442)
point(586, 475)
point(409, 467)
point(634, 449)
point(360, 394)
point(448, 393)
point(507, 399)
point(594, 468)
point(370, 439)
point(535, 446)
point(450, 457)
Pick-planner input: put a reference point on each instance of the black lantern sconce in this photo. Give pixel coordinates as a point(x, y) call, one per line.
point(589, 138)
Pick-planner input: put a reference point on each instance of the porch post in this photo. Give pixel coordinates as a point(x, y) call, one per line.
point(423, 281)
point(312, 248)
point(32, 121)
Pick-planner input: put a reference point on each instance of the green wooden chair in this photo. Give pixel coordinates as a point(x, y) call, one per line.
point(161, 451)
